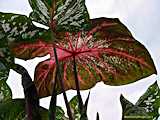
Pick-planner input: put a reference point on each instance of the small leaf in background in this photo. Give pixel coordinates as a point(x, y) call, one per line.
point(15, 110)
point(132, 112)
point(40, 11)
point(146, 108)
point(17, 28)
point(5, 63)
point(85, 108)
point(60, 114)
point(72, 16)
point(4, 72)
point(150, 100)
point(126, 105)
point(75, 108)
point(5, 91)
point(12, 110)
point(69, 15)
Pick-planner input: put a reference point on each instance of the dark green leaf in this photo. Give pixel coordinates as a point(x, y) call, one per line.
point(5, 91)
point(133, 112)
point(5, 63)
point(15, 110)
point(74, 108)
point(150, 100)
point(4, 71)
point(60, 115)
point(85, 107)
point(6, 60)
point(145, 108)
point(12, 110)
point(40, 11)
point(126, 105)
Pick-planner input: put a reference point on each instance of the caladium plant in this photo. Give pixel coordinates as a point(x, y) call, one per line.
point(102, 54)
point(88, 50)
point(106, 52)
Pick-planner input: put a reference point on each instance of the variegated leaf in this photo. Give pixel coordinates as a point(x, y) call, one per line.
point(145, 108)
point(5, 92)
point(107, 53)
point(5, 63)
point(133, 112)
point(40, 11)
point(72, 16)
point(17, 28)
point(69, 15)
point(77, 115)
point(150, 100)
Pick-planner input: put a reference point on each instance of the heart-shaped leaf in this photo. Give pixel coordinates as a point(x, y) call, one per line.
point(107, 53)
point(69, 15)
point(146, 107)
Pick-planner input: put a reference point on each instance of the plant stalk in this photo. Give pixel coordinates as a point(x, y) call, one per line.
point(30, 92)
point(97, 116)
point(77, 87)
point(62, 87)
point(53, 102)
point(53, 27)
